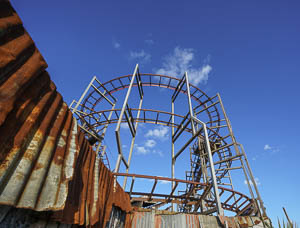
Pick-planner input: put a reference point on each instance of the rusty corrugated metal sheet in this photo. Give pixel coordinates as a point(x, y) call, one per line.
point(21, 218)
point(46, 164)
point(181, 220)
point(246, 221)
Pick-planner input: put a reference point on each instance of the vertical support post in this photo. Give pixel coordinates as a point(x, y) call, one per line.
point(213, 173)
point(106, 125)
point(117, 131)
point(212, 168)
point(247, 179)
point(173, 150)
point(190, 103)
point(132, 143)
point(228, 125)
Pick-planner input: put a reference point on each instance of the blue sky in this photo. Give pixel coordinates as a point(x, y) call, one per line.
point(248, 51)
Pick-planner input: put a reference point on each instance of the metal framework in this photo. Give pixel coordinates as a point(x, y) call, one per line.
point(212, 148)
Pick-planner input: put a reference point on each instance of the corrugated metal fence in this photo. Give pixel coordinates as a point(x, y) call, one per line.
point(180, 220)
point(46, 164)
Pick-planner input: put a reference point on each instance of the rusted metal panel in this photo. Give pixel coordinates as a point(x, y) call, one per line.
point(46, 164)
point(160, 219)
point(142, 219)
point(21, 218)
point(117, 218)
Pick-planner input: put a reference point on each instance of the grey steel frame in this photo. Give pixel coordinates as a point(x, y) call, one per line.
point(201, 134)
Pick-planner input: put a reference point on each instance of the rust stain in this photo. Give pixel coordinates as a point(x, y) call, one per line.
point(46, 164)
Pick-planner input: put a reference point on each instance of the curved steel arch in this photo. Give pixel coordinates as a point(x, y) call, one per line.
point(214, 134)
point(154, 80)
point(241, 205)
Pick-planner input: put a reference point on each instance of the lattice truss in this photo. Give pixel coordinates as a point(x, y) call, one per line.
point(213, 150)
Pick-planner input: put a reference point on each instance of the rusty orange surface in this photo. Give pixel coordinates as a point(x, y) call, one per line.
point(46, 164)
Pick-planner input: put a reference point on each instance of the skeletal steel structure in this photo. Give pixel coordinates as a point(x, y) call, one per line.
point(213, 150)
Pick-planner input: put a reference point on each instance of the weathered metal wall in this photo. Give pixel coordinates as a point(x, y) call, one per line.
point(180, 220)
point(24, 218)
point(46, 164)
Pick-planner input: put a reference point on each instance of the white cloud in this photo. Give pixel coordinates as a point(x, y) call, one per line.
point(267, 147)
point(150, 143)
point(140, 56)
point(160, 132)
point(273, 149)
point(142, 150)
point(146, 149)
point(124, 125)
point(149, 41)
point(257, 182)
point(116, 45)
point(180, 61)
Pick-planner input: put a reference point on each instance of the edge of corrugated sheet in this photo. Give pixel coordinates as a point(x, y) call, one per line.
point(46, 164)
point(142, 219)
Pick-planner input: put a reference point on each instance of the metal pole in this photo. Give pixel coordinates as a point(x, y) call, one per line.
point(214, 179)
point(117, 131)
point(253, 181)
point(84, 93)
point(228, 125)
point(126, 98)
point(173, 151)
point(132, 144)
point(243, 152)
point(213, 173)
point(106, 125)
point(247, 179)
point(212, 168)
point(190, 103)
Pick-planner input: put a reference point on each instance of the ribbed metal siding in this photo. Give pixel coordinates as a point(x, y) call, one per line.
point(46, 164)
point(150, 219)
point(143, 219)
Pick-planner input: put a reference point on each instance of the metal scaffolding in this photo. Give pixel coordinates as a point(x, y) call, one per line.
point(212, 148)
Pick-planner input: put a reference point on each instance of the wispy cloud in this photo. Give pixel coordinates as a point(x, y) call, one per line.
point(140, 56)
point(257, 182)
point(160, 132)
point(150, 143)
point(149, 41)
point(267, 147)
point(148, 148)
point(273, 149)
point(142, 150)
point(116, 45)
point(179, 61)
